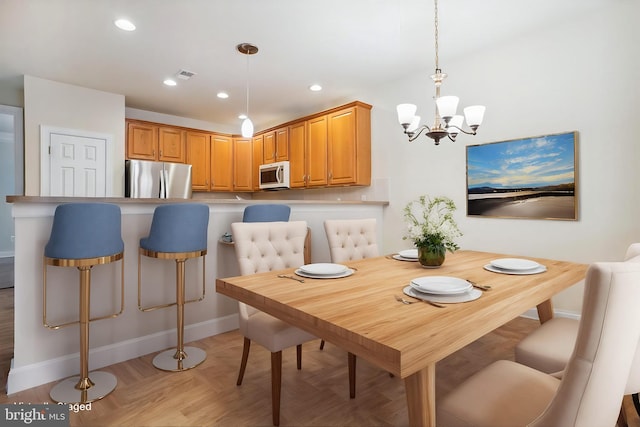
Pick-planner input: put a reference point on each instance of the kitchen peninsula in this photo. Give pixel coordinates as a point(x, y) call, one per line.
point(42, 355)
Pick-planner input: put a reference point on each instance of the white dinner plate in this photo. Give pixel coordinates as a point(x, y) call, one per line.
point(323, 268)
point(473, 294)
point(537, 270)
point(441, 285)
point(409, 253)
point(514, 264)
point(347, 272)
point(401, 258)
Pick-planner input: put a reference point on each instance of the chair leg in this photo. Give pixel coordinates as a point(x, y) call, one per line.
point(321, 344)
point(276, 385)
point(299, 356)
point(352, 375)
point(243, 363)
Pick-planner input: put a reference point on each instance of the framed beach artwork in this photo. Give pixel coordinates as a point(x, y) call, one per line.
point(533, 178)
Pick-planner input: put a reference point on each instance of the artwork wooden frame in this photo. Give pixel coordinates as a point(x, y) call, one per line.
point(533, 178)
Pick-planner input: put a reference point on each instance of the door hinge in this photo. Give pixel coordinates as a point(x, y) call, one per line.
point(49, 150)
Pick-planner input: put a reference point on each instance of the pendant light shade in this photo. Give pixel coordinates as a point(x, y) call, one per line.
point(247, 128)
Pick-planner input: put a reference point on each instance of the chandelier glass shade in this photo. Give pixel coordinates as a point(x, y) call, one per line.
point(446, 123)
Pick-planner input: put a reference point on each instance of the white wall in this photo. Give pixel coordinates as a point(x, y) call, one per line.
point(70, 107)
point(579, 76)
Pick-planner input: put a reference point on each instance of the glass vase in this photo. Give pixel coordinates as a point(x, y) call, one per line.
point(429, 258)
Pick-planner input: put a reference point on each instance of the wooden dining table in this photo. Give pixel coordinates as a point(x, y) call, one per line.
point(361, 314)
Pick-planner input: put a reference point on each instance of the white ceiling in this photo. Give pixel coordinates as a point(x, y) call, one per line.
point(347, 46)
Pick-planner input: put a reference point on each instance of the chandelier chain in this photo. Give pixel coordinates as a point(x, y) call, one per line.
point(436, 32)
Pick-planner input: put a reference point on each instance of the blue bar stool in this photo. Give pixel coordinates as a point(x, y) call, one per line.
point(178, 232)
point(84, 235)
point(266, 213)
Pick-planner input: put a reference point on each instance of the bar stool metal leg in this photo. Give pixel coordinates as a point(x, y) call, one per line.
point(81, 389)
point(181, 358)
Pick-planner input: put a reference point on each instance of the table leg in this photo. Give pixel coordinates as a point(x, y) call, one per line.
point(545, 311)
point(420, 389)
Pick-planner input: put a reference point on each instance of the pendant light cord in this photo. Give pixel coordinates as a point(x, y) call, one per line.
point(247, 113)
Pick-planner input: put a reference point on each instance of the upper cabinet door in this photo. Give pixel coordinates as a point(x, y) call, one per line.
point(199, 157)
point(317, 151)
point(269, 147)
point(282, 144)
point(297, 154)
point(142, 141)
point(258, 141)
point(221, 163)
point(171, 144)
point(349, 146)
point(341, 152)
point(242, 165)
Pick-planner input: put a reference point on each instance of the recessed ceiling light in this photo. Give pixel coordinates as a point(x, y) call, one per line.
point(315, 88)
point(170, 82)
point(242, 116)
point(222, 95)
point(125, 24)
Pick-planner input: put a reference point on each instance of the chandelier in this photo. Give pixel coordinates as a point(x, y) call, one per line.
point(447, 123)
point(247, 125)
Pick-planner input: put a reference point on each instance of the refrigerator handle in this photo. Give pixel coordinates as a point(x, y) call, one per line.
point(163, 184)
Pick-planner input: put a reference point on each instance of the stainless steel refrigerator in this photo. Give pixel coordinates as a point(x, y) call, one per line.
point(145, 179)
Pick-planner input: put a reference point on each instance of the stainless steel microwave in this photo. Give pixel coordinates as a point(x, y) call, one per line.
point(274, 176)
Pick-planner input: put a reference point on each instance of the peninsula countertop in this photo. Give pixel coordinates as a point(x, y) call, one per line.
point(155, 201)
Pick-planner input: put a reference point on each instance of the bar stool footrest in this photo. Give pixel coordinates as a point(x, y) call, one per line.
point(66, 392)
point(166, 360)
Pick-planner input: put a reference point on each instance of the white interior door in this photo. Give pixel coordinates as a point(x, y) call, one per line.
point(76, 164)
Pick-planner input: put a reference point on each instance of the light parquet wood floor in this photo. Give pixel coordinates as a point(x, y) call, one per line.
point(315, 396)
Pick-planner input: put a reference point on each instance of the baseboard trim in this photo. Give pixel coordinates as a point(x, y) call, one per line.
point(50, 370)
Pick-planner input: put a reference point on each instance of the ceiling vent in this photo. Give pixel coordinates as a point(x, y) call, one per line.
point(185, 75)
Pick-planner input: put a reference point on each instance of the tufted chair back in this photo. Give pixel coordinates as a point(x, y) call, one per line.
point(351, 239)
point(267, 246)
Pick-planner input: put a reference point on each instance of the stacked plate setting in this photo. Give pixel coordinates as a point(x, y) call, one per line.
point(442, 289)
point(324, 270)
point(515, 266)
point(407, 255)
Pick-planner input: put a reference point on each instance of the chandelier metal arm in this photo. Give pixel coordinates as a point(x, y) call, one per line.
point(473, 129)
point(416, 133)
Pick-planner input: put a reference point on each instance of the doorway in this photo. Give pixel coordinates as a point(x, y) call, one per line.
point(11, 183)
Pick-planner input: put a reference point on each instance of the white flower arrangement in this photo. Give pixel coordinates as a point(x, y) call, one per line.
point(430, 224)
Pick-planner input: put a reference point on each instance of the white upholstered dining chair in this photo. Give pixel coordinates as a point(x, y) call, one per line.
point(351, 240)
point(549, 347)
point(260, 247)
point(590, 393)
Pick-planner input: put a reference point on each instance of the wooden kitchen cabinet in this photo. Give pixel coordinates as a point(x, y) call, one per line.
point(349, 145)
point(199, 157)
point(329, 148)
point(316, 152)
point(242, 164)
point(276, 145)
point(297, 154)
point(171, 145)
point(150, 141)
point(257, 147)
point(221, 163)
point(142, 140)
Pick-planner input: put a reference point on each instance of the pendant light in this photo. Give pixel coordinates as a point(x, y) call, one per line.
point(247, 124)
